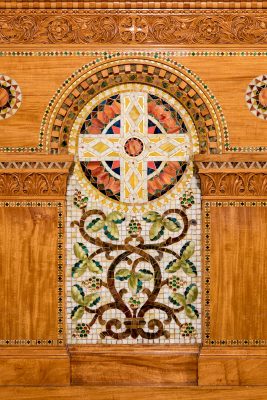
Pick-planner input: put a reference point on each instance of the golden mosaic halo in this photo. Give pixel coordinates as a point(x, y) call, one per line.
point(93, 192)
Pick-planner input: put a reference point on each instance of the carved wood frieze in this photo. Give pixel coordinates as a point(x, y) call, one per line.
point(148, 27)
point(233, 178)
point(45, 177)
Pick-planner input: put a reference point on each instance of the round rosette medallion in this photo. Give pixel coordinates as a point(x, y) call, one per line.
point(256, 97)
point(10, 97)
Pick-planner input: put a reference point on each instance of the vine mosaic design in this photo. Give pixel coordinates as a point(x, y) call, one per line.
point(133, 259)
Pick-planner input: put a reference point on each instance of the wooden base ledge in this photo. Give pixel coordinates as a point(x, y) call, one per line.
point(136, 365)
point(134, 393)
point(233, 366)
point(34, 366)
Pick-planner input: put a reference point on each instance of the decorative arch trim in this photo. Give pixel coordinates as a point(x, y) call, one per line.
point(173, 78)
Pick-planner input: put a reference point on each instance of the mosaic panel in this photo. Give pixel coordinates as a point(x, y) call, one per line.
point(133, 224)
point(10, 97)
point(170, 77)
point(256, 97)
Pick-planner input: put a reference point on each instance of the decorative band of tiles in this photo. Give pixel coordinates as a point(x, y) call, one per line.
point(60, 276)
point(34, 165)
point(117, 5)
point(208, 340)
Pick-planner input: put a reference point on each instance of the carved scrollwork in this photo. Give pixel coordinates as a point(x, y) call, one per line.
point(133, 29)
point(153, 28)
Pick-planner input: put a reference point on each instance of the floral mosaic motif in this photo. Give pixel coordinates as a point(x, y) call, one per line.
point(10, 97)
point(256, 97)
point(132, 147)
point(134, 272)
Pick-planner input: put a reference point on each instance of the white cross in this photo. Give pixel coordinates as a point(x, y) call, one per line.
point(133, 169)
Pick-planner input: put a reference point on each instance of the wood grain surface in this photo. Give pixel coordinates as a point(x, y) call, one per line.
point(133, 393)
point(159, 365)
point(28, 265)
point(238, 261)
point(232, 366)
point(28, 366)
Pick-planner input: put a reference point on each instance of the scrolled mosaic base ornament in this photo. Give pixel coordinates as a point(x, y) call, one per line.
point(134, 276)
point(10, 97)
point(256, 97)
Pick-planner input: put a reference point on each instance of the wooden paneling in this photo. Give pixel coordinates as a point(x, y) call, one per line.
point(228, 79)
point(133, 393)
point(232, 366)
point(238, 295)
point(38, 78)
point(34, 366)
point(156, 365)
point(28, 269)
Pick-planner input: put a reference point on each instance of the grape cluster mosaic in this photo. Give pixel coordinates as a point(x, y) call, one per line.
point(133, 227)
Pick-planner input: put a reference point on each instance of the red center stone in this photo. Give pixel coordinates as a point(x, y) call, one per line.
point(4, 97)
point(133, 147)
point(263, 97)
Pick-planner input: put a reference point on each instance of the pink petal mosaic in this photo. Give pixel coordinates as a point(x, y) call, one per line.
point(133, 223)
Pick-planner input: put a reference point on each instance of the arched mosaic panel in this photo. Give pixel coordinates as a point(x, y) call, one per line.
point(172, 78)
point(133, 223)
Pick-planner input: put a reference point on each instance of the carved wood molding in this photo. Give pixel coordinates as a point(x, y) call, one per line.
point(45, 176)
point(165, 27)
point(226, 177)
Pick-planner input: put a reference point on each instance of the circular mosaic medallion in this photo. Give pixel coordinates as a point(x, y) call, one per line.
point(256, 97)
point(10, 97)
point(135, 145)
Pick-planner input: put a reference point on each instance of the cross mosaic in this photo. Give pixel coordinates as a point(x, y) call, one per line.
point(133, 225)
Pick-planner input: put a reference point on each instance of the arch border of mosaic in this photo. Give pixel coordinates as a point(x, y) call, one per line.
point(160, 73)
